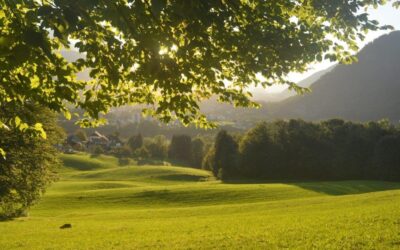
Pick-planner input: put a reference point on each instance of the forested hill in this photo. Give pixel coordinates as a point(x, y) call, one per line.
point(367, 90)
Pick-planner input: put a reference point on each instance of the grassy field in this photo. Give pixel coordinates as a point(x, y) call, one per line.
point(136, 207)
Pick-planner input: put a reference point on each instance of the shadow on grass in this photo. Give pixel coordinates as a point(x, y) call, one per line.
point(78, 164)
point(5, 219)
point(152, 162)
point(182, 177)
point(348, 187)
point(12, 216)
point(332, 187)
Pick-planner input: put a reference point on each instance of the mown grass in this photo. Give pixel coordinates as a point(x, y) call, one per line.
point(160, 207)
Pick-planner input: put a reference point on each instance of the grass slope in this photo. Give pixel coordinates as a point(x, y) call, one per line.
point(87, 162)
point(136, 207)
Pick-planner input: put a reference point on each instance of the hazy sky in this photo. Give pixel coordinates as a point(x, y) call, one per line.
point(386, 15)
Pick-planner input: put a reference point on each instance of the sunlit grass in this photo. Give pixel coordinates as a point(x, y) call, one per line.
point(136, 207)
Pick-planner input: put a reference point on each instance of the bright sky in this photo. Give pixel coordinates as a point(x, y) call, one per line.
point(386, 15)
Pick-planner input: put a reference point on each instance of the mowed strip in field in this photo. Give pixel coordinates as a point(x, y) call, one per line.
point(136, 207)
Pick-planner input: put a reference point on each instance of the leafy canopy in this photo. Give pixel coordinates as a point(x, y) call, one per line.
point(166, 54)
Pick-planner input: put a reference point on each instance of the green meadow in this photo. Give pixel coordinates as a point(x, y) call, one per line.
point(167, 207)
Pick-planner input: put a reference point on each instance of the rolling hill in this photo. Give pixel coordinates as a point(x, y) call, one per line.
point(166, 207)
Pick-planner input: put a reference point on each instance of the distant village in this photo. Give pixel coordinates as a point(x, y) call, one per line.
point(125, 121)
point(94, 141)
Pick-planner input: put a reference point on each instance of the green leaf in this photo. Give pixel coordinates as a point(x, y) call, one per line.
point(17, 121)
point(35, 82)
point(23, 126)
point(39, 128)
point(67, 115)
point(3, 126)
point(2, 153)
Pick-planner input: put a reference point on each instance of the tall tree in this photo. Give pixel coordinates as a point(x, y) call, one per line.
point(180, 148)
point(226, 156)
point(30, 163)
point(135, 142)
point(256, 148)
point(167, 54)
point(158, 147)
point(197, 152)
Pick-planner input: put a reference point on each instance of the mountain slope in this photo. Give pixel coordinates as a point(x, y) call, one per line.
point(367, 90)
point(260, 95)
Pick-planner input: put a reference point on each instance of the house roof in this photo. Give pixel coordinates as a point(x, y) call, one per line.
point(96, 134)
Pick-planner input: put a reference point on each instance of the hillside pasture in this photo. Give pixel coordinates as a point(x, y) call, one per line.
point(163, 207)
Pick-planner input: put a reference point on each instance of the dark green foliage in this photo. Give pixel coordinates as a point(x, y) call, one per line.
point(258, 149)
point(226, 158)
point(299, 150)
point(180, 149)
point(209, 160)
point(122, 152)
point(157, 147)
point(387, 158)
point(30, 162)
point(197, 152)
point(123, 161)
point(98, 150)
point(135, 142)
point(142, 153)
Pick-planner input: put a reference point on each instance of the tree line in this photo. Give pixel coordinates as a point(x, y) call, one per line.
point(181, 149)
point(282, 150)
point(300, 150)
